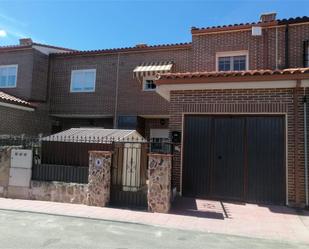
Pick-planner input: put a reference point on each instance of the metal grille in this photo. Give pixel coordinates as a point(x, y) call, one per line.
point(129, 175)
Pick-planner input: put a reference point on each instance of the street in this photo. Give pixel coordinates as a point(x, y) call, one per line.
point(21, 229)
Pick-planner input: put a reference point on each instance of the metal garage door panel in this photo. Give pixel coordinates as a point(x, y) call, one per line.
point(197, 155)
point(228, 168)
point(266, 171)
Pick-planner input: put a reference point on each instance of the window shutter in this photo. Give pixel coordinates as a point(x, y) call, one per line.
point(305, 54)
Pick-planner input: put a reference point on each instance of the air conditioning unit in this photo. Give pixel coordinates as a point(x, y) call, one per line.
point(256, 31)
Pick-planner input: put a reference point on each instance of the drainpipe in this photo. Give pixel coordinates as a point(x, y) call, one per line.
point(306, 148)
point(296, 142)
point(116, 94)
point(287, 62)
point(276, 48)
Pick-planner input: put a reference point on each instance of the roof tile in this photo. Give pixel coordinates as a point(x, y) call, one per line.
point(125, 49)
point(216, 74)
point(243, 25)
point(7, 98)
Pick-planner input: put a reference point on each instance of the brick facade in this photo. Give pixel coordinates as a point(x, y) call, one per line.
point(32, 73)
point(261, 49)
point(17, 122)
point(132, 100)
point(246, 101)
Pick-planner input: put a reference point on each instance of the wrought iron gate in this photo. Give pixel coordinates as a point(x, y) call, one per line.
point(129, 175)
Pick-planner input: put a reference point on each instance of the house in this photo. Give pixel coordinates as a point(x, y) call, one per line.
point(24, 105)
point(120, 90)
point(242, 113)
point(235, 95)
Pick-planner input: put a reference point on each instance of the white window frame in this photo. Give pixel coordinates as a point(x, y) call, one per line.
point(13, 65)
point(232, 54)
point(83, 70)
point(144, 84)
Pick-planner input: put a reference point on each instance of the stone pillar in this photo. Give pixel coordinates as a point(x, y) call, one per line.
point(159, 185)
point(5, 164)
point(99, 180)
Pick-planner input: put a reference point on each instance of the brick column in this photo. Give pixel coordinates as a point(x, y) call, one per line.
point(159, 186)
point(99, 179)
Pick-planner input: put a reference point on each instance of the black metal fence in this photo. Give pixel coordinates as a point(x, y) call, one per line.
point(66, 159)
point(24, 142)
point(61, 173)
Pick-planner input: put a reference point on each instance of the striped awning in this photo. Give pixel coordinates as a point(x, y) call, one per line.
point(152, 68)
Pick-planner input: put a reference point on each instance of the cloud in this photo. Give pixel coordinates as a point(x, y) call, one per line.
point(12, 20)
point(3, 33)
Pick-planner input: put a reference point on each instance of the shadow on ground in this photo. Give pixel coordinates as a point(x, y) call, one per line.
point(205, 209)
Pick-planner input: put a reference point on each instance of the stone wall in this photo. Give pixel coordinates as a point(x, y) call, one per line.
point(98, 192)
point(58, 192)
point(5, 163)
point(159, 186)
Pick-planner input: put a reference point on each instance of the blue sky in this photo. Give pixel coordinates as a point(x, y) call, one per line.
point(107, 24)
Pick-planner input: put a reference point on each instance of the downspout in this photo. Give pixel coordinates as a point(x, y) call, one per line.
point(287, 61)
point(306, 147)
point(49, 90)
point(276, 48)
point(296, 142)
point(116, 93)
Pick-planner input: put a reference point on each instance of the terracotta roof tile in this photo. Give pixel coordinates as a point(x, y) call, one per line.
point(127, 49)
point(55, 47)
point(10, 47)
point(247, 25)
point(7, 98)
point(215, 74)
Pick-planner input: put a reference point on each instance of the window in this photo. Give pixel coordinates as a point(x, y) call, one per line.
point(8, 76)
point(83, 80)
point(159, 140)
point(224, 63)
point(149, 84)
point(127, 122)
point(232, 61)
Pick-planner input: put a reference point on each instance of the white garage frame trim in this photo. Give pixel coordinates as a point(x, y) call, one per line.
point(285, 115)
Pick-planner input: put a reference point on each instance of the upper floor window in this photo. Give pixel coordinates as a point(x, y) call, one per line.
point(232, 61)
point(148, 84)
point(8, 76)
point(83, 80)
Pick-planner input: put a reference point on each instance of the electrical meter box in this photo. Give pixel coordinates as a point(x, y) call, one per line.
point(20, 171)
point(21, 159)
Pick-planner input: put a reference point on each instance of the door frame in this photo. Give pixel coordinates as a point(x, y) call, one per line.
point(238, 114)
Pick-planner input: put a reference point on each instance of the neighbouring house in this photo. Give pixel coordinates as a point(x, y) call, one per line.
point(24, 70)
point(233, 101)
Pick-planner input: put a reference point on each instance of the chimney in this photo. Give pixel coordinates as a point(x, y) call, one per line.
point(25, 41)
point(268, 17)
point(141, 45)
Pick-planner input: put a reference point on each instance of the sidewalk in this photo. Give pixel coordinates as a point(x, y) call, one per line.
point(268, 222)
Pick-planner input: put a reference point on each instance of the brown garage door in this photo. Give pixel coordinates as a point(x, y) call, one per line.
point(236, 158)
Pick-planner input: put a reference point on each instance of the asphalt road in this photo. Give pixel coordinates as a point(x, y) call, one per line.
point(20, 230)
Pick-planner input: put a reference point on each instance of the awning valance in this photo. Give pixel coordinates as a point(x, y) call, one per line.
point(152, 68)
